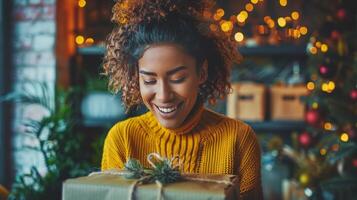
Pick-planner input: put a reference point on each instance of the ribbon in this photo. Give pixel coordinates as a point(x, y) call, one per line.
point(150, 175)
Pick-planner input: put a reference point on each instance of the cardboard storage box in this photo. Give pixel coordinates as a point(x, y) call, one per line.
point(286, 104)
point(247, 102)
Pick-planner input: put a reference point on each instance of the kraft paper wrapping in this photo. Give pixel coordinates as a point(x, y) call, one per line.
point(114, 187)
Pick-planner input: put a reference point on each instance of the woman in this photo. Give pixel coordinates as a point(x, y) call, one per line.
point(163, 54)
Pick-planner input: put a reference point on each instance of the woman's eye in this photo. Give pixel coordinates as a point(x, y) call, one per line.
point(178, 80)
point(149, 82)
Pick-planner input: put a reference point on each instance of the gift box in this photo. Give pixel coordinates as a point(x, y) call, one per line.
point(115, 187)
point(286, 102)
point(247, 102)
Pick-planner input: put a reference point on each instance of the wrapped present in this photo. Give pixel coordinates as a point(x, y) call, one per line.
point(146, 184)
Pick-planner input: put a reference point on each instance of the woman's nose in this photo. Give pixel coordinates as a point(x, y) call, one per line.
point(164, 92)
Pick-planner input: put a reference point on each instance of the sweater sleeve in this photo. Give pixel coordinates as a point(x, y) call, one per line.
point(114, 150)
point(249, 168)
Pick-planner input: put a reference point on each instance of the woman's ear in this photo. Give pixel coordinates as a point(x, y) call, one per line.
point(203, 74)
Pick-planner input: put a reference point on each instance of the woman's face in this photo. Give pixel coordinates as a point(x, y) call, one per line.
point(169, 83)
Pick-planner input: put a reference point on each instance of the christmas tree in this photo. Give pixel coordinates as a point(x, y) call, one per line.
point(326, 152)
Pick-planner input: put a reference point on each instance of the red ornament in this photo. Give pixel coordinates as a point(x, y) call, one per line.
point(353, 94)
point(305, 139)
point(327, 70)
point(312, 117)
point(341, 14)
point(354, 162)
point(335, 35)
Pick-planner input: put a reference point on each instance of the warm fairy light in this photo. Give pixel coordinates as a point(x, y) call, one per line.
point(315, 105)
point(331, 85)
point(324, 87)
point(249, 7)
point(82, 3)
point(242, 16)
point(213, 27)
point(271, 23)
point(79, 39)
point(281, 21)
point(262, 29)
point(283, 2)
point(254, 1)
point(287, 19)
point(227, 26)
point(216, 17)
point(266, 18)
point(323, 151)
point(318, 44)
point(220, 12)
point(296, 34)
point(310, 85)
point(313, 50)
point(239, 37)
point(303, 30)
point(324, 48)
point(328, 126)
point(295, 15)
point(344, 137)
point(89, 41)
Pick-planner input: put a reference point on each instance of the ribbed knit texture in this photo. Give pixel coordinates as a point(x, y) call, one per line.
point(207, 143)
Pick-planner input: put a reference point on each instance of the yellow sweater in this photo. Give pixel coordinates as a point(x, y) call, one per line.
point(207, 143)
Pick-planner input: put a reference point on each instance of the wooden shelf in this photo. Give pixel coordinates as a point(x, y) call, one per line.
point(270, 50)
point(267, 50)
point(277, 126)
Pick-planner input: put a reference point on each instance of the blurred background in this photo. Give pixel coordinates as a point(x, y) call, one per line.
point(296, 87)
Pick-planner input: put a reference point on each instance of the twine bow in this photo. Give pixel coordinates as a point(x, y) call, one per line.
point(163, 171)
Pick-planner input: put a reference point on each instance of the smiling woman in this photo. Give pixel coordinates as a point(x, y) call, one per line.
point(163, 54)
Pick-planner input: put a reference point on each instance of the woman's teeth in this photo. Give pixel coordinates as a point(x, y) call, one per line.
point(167, 110)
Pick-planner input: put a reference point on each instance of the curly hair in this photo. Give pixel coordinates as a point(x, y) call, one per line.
point(141, 23)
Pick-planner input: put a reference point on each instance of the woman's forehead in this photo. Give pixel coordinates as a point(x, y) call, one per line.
point(165, 57)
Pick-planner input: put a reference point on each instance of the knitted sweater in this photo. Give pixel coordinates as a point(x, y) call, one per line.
point(207, 143)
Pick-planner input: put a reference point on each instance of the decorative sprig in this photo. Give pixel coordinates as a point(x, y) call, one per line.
point(162, 170)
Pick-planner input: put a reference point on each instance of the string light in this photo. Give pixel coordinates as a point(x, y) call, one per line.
point(318, 44)
point(79, 39)
point(315, 105)
point(344, 137)
point(303, 30)
point(227, 26)
point(324, 48)
point(249, 7)
point(331, 85)
point(283, 2)
point(281, 22)
point(239, 36)
point(220, 12)
point(254, 1)
point(323, 151)
point(89, 41)
point(82, 3)
point(313, 50)
point(295, 15)
point(310, 85)
point(328, 126)
point(242, 16)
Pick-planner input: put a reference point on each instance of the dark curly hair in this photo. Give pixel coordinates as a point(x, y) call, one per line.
point(141, 23)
